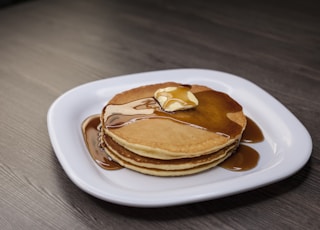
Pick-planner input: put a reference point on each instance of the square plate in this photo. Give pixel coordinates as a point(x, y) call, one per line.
point(286, 148)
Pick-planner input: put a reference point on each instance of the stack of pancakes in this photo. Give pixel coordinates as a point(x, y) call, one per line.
point(139, 135)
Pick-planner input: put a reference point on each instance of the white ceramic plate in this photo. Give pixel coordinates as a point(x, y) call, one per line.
point(286, 148)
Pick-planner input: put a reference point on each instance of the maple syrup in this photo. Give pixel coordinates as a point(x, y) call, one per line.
point(90, 133)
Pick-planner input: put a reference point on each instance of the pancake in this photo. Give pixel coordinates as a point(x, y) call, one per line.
point(170, 171)
point(137, 133)
point(124, 156)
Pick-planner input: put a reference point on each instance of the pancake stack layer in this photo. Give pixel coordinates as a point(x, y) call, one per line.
point(137, 133)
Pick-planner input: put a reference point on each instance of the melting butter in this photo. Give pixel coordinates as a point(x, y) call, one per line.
point(176, 98)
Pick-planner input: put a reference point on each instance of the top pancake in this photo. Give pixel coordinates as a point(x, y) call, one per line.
point(163, 138)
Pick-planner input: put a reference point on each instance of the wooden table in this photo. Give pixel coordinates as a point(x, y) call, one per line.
point(49, 47)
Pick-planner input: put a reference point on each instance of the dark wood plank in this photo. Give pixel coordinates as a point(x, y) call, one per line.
point(48, 47)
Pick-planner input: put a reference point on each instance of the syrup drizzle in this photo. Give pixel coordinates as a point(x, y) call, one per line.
point(243, 159)
point(90, 133)
point(252, 132)
point(211, 113)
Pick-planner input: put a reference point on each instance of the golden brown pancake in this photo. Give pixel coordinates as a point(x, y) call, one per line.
point(126, 155)
point(139, 135)
point(190, 167)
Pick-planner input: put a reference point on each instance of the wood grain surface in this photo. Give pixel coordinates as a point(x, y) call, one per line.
point(48, 47)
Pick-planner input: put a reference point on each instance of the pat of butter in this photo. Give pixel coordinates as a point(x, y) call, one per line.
point(176, 98)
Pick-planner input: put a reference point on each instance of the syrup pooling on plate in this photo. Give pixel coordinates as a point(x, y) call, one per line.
point(210, 114)
point(91, 137)
point(252, 133)
point(243, 159)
